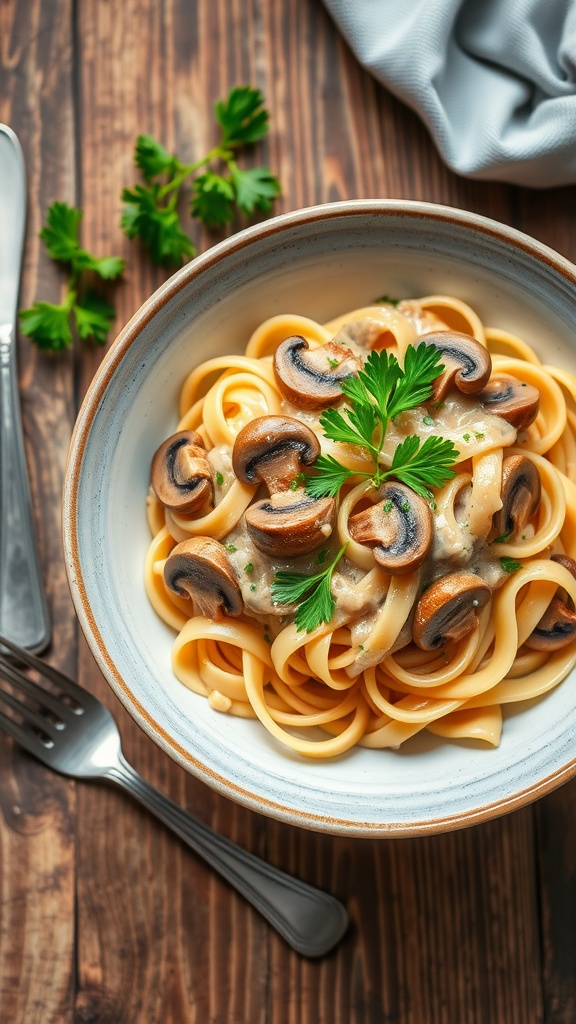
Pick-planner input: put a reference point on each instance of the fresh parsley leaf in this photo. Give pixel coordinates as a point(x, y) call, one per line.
point(389, 301)
point(422, 466)
point(60, 233)
point(153, 159)
point(331, 476)
point(60, 236)
point(381, 390)
point(49, 325)
point(358, 427)
point(422, 365)
point(157, 226)
point(255, 188)
point(94, 317)
point(218, 192)
point(212, 199)
point(242, 116)
point(504, 538)
point(318, 605)
point(376, 382)
point(107, 267)
point(510, 564)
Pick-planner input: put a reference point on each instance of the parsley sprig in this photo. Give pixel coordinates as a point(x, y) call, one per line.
point(318, 605)
point(52, 326)
point(218, 193)
point(381, 390)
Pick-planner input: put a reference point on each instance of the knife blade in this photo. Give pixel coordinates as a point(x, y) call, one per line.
point(23, 607)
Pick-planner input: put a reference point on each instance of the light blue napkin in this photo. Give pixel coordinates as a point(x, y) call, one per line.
point(494, 80)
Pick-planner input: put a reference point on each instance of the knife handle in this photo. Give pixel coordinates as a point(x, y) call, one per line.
point(23, 610)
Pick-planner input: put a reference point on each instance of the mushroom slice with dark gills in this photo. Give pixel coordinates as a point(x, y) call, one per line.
point(181, 475)
point(399, 528)
point(447, 610)
point(557, 627)
point(511, 399)
point(311, 378)
point(467, 364)
point(520, 494)
point(273, 450)
point(290, 523)
point(199, 569)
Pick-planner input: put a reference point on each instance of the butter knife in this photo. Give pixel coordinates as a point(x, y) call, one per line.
point(23, 610)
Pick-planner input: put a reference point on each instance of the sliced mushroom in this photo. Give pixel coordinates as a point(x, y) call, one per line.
point(181, 475)
point(199, 568)
point(273, 450)
point(467, 364)
point(447, 610)
point(290, 523)
point(557, 627)
point(311, 378)
point(512, 399)
point(399, 528)
point(520, 494)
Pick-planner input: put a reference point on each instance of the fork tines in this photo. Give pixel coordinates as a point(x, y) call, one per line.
point(47, 712)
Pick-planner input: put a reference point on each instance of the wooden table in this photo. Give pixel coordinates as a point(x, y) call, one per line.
point(106, 917)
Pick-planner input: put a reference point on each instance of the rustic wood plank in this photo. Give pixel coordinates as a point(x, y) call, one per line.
point(37, 808)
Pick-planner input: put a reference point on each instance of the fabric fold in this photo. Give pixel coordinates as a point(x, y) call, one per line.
point(494, 81)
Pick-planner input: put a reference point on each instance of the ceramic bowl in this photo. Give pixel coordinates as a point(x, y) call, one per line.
point(318, 262)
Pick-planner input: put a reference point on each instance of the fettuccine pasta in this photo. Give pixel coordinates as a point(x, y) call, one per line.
point(468, 607)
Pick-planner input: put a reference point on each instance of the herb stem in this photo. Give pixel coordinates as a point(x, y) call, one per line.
point(185, 170)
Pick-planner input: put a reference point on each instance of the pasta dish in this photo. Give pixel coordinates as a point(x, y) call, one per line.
point(367, 528)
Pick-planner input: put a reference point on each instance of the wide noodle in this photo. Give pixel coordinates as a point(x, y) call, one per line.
point(355, 680)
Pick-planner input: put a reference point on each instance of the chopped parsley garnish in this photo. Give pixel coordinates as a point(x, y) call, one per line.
point(297, 481)
point(510, 564)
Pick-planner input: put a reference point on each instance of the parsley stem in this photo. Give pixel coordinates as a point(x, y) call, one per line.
point(187, 169)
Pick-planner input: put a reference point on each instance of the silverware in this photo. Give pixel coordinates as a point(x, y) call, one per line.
point(23, 612)
point(73, 733)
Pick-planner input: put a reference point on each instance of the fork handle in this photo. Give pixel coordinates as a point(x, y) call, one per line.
point(310, 920)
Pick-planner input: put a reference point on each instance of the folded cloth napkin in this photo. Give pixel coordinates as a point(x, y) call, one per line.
point(494, 80)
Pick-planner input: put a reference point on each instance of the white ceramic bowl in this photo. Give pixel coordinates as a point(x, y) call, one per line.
point(318, 262)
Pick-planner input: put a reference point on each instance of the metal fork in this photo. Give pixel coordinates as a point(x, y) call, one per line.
point(73, 733)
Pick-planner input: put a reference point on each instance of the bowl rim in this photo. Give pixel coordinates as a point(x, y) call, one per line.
point(150, 307)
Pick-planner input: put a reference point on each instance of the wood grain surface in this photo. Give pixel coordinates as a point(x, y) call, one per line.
point(104, 916)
